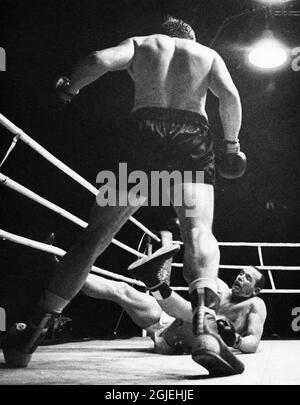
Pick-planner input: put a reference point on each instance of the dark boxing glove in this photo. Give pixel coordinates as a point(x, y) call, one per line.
point(233, 162)
point(227, 331)
point(63, 95)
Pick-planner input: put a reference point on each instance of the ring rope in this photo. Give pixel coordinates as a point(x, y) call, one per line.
point(10, 149)
point(251, 244)
point(265, 290)
point(6, 181)
point(20, 134)
point(239, 266)
point(261, 260)
point(60, 165)
point(259, 246)
point(60, 252)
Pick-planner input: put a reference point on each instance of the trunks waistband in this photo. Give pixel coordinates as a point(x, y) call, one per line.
point(169, 114)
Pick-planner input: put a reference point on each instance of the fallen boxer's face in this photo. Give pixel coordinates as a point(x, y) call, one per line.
point(244, 284)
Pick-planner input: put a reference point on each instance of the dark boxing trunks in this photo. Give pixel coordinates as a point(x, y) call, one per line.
point(156, 139)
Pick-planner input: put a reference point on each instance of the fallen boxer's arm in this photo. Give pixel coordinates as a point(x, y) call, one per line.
point(249, 341)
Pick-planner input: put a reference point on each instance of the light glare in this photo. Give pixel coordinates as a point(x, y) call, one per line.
point(268, 54)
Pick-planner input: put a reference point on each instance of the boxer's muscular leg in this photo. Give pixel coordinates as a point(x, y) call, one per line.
point(177, 307)
point(201, 261)
point(67, 280)
point(142, 308)
point(201, 252)
point(75, 266)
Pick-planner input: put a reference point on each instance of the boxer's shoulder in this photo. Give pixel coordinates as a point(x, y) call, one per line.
point(152, 40)
point(257, 304)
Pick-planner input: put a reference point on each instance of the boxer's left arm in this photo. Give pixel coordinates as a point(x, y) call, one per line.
point(96, 64)
point(248, 342)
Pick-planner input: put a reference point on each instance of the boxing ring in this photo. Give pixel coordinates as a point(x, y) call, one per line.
point(104, 362)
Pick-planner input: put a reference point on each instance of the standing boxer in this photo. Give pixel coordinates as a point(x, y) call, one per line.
point(169, 130)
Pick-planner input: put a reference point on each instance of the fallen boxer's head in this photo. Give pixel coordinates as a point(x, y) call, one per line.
point(249, 282)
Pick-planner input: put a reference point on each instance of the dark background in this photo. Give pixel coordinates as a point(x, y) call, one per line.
point(43, 40)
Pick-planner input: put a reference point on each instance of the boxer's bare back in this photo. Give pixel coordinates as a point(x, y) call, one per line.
point(170, 72)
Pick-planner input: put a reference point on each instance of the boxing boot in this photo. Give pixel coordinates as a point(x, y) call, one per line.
point(23, 338)
point(208, 348)
point(155, 270)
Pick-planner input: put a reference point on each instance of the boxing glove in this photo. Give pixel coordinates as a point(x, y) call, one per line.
point(232, 163)
point(226, 331)
point(63, 96)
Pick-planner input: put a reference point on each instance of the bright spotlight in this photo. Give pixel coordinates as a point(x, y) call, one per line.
point(268, 53)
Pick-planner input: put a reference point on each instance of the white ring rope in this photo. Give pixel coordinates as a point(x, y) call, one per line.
point(262, 266)
point(10, 149)
point(278, 290)
point(251, 244)
point(239, 266)
point(60, 252)
point(61, 166)
point(261, 260)
point(6, 181)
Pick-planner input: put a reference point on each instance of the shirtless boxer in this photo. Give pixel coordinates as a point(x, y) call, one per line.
point(169, 130)
point(241, 314)
point(168, 321)
point(240, 317)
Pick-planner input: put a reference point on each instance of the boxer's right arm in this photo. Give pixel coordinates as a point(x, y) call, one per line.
point(96, 64)
point(250, 339)
point(230, 110)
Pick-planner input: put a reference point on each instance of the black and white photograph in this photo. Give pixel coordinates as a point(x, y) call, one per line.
point(149, 195)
